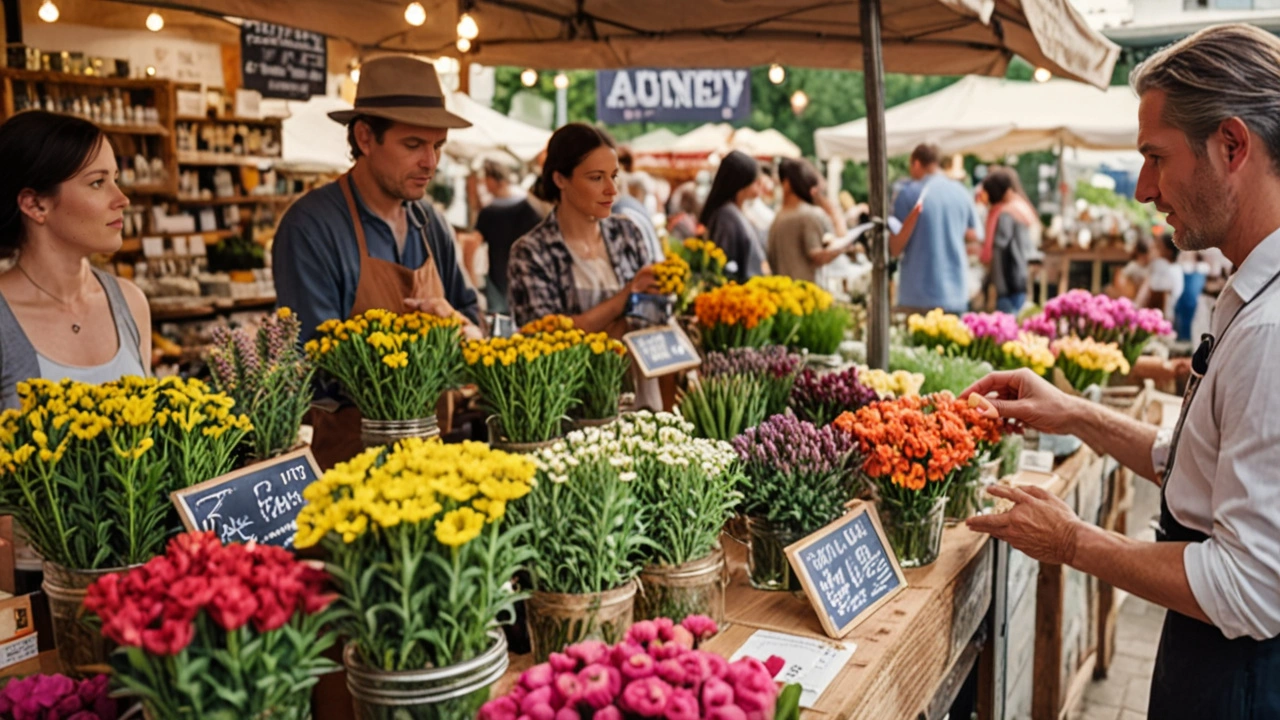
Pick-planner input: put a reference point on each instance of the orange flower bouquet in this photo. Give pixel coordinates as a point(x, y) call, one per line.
point(913, 450)
point(735, 316)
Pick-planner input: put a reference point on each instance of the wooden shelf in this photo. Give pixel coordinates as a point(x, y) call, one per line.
point(212, 237)
point(238, 200)
point(208, 159)
point(272, 121)
point(211, 308)
point(48, 76)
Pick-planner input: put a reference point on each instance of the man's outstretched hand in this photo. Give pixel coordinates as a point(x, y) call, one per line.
point(1040, 524)
point(1028, 398)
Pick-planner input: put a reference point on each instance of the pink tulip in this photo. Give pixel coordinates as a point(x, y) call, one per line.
point(683, 705)
point(537, 676)
point(647, 697)
point(562, 663)
point(503, 708)
point(588, 652)
point(716, 693)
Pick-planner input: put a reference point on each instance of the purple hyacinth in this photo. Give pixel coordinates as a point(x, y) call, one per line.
point(774, 361)
point(788, 445)
point(819, 399)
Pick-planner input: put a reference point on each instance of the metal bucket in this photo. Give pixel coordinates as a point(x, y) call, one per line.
point(447, 693)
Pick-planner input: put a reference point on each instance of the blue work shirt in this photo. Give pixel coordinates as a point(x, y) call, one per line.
point(934, 266)
point(316, 260)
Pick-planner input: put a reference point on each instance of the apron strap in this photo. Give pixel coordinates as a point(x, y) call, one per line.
point(344, 182)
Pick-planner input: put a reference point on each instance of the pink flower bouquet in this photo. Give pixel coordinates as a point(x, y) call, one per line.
point(57, 697)
point(1105, 320)
point(990, 331)
point(656, 672)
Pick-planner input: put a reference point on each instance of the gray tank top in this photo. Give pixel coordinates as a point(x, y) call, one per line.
point(19, 360)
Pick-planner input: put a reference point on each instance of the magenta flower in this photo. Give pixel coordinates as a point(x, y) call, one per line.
point(599, 686)
point(1040, 325)
point(726, 712)
point(647, 697)
point(609, 713)
point(569, 688)
point(702, 627)
point(999, 327)
point(537, 676)
point(503, 708)
point(588, 652)
point(568, 714)
point(643, 632)
point(665, 628)
point(716, 693)
point(683, 705)
point(540, 704)
point(637, 667)
point(673, 672)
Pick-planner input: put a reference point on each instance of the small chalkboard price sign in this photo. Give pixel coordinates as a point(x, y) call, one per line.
point(848, 569)
point(259, 503)
point(661, 350)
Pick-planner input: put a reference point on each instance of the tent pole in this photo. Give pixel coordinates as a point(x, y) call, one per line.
point(878, 174)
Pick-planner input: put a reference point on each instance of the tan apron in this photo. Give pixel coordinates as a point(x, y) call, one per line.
point(383, 285)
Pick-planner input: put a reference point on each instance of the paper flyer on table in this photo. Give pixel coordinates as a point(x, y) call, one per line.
point(814, 664)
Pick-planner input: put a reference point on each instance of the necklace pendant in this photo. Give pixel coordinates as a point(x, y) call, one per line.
point(75, 328)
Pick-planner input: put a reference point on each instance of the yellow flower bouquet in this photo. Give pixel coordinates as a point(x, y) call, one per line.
point(1087, 362)
point(88, 468)
point(417, 539)
point(607, 366)
point(806, 316)
point(941, 331)
point(735, 316)
point(530, 382)
point(1029, 350)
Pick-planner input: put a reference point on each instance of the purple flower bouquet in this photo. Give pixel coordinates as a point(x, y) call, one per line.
point(819, 399)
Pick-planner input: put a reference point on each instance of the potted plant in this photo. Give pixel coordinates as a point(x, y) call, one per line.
point(735, 316)
point(820, 398)
point(606, 369)
point(418, 541)
point(393, 367)
point(89, 469)
point(797, 480)
point(58, 697)
point(912, 450)
point(268, 377)
point(209, 631)
point(587, 537)
point(739, 388)
point(528, 383)
point(657, 671)
point(687, 488)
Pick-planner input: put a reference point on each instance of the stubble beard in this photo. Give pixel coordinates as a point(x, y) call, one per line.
point(1210, 207)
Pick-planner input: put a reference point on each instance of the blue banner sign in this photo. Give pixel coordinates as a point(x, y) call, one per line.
point(673, 95)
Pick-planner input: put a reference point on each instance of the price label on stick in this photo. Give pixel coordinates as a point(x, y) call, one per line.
point(848, 569)
point(260, 502)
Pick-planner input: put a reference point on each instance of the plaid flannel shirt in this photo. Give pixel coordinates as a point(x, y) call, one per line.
point(540, 271)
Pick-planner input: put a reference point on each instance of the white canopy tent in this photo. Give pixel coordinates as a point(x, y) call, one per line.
point(992, 117)
point(312, 140)
point(767, 143)
point(491, 131)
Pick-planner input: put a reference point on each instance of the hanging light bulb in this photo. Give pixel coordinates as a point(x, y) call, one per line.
point(354, 72)
point(529, 77)
point(777, 74)
point(464, 45)
point(467, 27)
point(415, 14)
point(1042, 75)
point(49, 12)
point(151, 71)
point(155, 23)
point(799, 101)
point(562, 81)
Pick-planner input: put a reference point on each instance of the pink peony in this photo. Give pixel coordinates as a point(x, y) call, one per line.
point(562, 663)
point(683, 705)
point(637, 667)
point(726, 712)
point(665, 627)
point(647, 697)
point(701, 626)
point(745, 668)
point(716, 693)
point(719, 666)
point(537, 676)
point(682, 637)
point(599, 686)
point(645, 631)
point(697, 666)
point(666, 651)
point(623, 652)
point(588, 652)
point(503, 708)
point(540, 704)
point(569, 687)
point(568, 714)
point(673, 671)
point(609, 713)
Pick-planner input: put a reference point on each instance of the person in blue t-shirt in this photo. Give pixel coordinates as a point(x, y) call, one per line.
point(934, 267)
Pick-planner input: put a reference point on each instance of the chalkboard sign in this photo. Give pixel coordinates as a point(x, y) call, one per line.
point(662, 350)
point(260, 502)
point(848, 569)
point(282, 62)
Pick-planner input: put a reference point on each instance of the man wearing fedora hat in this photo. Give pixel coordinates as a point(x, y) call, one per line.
point(368, 241)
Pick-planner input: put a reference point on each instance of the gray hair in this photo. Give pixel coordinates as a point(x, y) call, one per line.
point(1218, 73)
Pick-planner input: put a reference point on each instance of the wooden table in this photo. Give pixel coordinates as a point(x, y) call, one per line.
point(1097, 258)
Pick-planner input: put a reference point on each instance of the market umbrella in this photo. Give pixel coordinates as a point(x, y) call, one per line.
point(939, 37)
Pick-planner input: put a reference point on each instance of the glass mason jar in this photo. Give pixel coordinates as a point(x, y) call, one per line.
point(967, 495)
point(676, 592)
point(387, 432)
point(446, 693)
point(767, 564)
point(560, 619)
point(915, 533)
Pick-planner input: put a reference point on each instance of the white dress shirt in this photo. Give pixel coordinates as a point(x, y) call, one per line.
point(1225, 481)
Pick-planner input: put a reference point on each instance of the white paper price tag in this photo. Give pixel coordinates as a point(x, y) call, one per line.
point(1040, 461)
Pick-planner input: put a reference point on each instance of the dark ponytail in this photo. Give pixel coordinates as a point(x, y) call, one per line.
point(800, 177)
point(566, 150)
point(39, 151)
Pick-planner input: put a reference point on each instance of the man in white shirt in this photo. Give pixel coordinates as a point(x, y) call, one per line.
point(1165, 279)
point(1209, 133)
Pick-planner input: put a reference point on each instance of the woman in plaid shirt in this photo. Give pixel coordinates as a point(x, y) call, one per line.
point(580, 261)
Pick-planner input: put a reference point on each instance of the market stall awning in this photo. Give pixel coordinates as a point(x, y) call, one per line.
point(936, 37)
point(765, 144)
point(991, 118)
point(491, 131)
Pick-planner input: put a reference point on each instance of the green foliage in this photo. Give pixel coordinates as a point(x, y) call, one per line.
point(721, 407)
point(954, 374)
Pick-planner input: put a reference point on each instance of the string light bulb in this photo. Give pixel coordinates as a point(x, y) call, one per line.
point(467, 27)
point(777, 74)
point(529, 77)
point(464, 45)
point(49, 12)
point(155, 22)
point(415, 14)
point(151, 71)
point(799, 101)
point(354, 73)
point(562, 81)
point(1042, 75)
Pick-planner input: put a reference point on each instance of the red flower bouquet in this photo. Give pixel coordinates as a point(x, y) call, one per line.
point(57, 697)
point(207, 629)
point(656, 672)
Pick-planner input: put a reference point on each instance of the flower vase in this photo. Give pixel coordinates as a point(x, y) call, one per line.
point(388, 432)
point(82, 650)
point(444, 693)
point(767, 564)
point(914, 532)
point(560, 619)
point(498, 438)
point(693, 588)
point(967, 496)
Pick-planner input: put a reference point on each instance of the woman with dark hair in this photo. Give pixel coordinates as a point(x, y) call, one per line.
point(796, 239)
point(581, 260)
point(727, 225)
point(60, 318)
point(1008, 241)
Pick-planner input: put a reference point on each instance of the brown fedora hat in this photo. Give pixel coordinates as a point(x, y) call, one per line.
point(403, 89)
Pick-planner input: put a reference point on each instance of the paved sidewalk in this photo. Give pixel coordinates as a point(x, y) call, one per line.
point(1123, 695)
